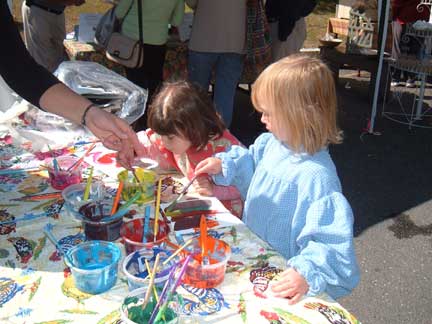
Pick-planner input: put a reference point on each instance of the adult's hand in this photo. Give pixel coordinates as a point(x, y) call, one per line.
point(114, 133)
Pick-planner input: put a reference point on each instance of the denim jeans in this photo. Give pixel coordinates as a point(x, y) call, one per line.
point(228, 68)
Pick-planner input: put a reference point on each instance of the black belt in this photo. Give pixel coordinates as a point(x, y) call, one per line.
point(30, 3)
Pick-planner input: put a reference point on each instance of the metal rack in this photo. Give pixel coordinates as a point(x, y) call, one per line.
point(415, 114)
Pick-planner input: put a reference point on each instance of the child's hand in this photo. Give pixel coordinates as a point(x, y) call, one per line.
point(210, 165)
point(204, 186)
point(291, 285)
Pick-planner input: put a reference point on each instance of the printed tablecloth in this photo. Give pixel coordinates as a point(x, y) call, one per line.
point(37, 287)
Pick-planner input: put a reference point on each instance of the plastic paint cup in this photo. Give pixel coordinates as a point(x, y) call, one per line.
point(209, 275)
point(146, 185)
point(136, 272)
point(97, 221)
point(135, 299)
point(94, 265)
point(73, 196)
point(132, 232)
point(60, 179)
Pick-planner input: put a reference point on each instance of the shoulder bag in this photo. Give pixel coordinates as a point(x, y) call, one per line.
point(109, 24)
point(125, 50)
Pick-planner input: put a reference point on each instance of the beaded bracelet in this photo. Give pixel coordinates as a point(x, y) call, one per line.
point(83, 118)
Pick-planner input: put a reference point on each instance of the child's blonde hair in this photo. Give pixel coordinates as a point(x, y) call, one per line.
point(299, 91)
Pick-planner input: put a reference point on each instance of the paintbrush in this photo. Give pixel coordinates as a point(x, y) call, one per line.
point(48, 232)
point(146, 223)
point(203, 240)
point(135, 176)
point(182, 193)
point(54, 161)
point(150, 286)
point(26, 217)
point(81, 159)
point(177, 251)
point(24, 170)
point(154, 287)
point(124, 209)
point(159, 311)
point(88, 185)
point(163, 293)
point(156, 220)
point(117, 198)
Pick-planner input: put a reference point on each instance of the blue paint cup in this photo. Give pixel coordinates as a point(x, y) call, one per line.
point(94, 265)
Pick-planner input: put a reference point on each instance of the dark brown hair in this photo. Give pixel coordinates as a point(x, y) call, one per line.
point(181, 108)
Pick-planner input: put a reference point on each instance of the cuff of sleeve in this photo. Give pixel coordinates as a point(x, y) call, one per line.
point(316, 283)
point(226, 176)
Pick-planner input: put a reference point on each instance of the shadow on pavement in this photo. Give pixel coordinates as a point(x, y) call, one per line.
point(382, 175)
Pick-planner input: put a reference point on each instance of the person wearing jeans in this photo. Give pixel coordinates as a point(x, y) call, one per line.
point(228, 68)
point(217, 47)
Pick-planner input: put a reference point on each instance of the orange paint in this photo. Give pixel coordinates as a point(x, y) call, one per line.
point(212, 274)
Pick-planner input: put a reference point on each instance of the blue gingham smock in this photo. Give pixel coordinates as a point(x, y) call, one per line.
point(295, 203)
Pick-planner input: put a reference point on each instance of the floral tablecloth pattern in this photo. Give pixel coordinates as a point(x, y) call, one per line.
point(37, 287)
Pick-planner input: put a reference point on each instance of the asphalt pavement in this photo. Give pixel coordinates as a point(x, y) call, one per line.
point(387, 178)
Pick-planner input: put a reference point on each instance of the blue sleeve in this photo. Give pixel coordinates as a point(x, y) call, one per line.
point(239, 164)
point(327, 259)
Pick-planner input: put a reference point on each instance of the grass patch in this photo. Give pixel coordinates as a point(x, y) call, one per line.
point(317, 22)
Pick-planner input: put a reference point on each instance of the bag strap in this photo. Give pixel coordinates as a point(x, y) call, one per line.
point(127, 12)
point(140, 21)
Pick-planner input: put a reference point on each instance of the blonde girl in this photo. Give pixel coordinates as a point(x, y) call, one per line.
point(294, 199)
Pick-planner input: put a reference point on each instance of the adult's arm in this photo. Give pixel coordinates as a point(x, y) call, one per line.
point(38, 86)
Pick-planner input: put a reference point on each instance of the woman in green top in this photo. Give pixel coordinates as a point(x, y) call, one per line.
point(156, 16)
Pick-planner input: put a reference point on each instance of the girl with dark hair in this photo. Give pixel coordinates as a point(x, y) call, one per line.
point(184, 130)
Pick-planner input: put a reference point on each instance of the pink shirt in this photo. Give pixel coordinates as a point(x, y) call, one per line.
point(187, 162)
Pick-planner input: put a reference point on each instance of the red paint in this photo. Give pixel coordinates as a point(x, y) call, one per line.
point(132, 232)
point(208, 275)
point(109, 158)
point(269, 315)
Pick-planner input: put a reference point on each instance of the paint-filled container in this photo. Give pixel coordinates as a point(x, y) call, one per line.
point(59, 172)
point(134, 267)
point(132, 234)
point(131, 311)
point(210, 272)
point(73, 196)
point(98, 222)
point(145, 185)
point(94, 265)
